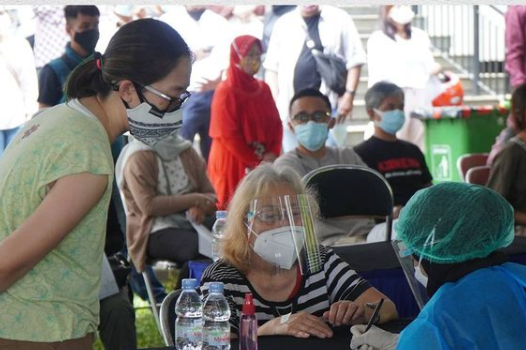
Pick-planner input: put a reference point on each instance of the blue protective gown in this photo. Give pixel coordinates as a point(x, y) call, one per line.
point(485, 310)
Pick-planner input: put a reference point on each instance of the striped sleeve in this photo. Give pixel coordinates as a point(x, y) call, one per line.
point(343, 283)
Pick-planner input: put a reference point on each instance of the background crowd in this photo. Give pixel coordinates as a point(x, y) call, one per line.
point(249, 82)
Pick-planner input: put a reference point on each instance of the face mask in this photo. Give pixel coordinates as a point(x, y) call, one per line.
point(277, 246)
point(420, 277)
point(87, 39)
point(250, 66)
point(392, 121)
point(149, 127)
point(312, 135)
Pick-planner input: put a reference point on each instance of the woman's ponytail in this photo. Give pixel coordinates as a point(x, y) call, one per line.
point(87, 79)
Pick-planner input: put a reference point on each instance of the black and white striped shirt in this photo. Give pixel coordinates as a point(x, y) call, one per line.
point(336, 281)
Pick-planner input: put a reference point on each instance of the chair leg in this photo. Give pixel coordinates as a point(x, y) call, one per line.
point(153, 302)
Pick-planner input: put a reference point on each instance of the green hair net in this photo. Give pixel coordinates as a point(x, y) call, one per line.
point(454, 222)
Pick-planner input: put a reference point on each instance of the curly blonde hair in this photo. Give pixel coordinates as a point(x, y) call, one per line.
point(235, 247)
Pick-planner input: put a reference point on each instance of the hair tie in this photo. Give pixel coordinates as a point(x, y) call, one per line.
point(97, 56)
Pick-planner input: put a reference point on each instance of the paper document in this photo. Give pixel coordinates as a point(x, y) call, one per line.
point(108, 285)
point(205, 239)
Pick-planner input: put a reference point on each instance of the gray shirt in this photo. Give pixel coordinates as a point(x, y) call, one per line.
point(333, 231)
point(303, 164)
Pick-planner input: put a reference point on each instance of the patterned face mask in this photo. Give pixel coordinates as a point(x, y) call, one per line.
point(147, 127)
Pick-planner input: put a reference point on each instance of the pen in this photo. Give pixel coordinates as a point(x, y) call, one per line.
point(373, 316)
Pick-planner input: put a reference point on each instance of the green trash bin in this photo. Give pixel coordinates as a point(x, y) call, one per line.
point(454, 131)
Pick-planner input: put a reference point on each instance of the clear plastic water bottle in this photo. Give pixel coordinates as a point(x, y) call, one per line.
point(218, 231)
point(189, 322)
point(216, 313)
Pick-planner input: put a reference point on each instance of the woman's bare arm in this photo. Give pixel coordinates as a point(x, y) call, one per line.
point(69, 200)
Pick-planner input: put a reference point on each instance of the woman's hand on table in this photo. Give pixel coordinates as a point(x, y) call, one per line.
point(345, 313)
point(300, 325)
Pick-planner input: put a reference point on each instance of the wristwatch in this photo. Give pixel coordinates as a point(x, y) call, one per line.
point(351, 92)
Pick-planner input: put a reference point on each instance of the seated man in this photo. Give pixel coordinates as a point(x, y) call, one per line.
point(400, 162)
point(310, 121)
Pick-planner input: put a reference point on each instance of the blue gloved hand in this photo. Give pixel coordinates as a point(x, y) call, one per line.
point(373, 339)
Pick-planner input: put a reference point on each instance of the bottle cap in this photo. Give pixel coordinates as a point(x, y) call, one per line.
point(248, 307)
point(216, 287)
point(221, 214)
point(189, 283)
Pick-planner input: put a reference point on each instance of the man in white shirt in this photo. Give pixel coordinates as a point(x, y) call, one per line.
point(290, 66)
point(209, 36)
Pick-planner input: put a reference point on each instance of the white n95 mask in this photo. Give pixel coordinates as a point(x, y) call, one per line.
point(277, 246)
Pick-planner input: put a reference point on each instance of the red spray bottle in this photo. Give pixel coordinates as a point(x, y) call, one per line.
point(248, 326)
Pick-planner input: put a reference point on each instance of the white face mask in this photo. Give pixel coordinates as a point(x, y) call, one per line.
point(277, 246)
point(147, 126)
point(420, 277)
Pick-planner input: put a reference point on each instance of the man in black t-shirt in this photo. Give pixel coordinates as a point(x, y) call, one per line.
point(400, 162)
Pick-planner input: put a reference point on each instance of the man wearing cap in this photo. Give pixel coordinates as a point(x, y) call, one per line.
point(455, 231)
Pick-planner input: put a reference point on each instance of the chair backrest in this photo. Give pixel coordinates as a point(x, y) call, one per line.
point(167, 317)
point(478, 175)
point(347, 190)
point(468, 161)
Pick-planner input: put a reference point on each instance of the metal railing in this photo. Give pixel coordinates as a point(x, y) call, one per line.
point(471, 39)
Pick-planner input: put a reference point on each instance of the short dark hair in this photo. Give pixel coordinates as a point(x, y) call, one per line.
point(72, 12)
point(310, 92)
point(143, 51)
point(377, 93)
point(518, 105)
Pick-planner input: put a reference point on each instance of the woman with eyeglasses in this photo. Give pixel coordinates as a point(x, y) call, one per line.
point(245, 126)
point(270, 249)
point(165, 188)
point(56, 181)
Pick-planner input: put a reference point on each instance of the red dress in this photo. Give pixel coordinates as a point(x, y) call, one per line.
point(243, 113)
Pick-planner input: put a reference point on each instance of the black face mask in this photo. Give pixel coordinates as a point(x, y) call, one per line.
point(87, 39)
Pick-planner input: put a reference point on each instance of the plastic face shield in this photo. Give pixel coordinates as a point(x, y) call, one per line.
point(405, 257)
point(284, 233)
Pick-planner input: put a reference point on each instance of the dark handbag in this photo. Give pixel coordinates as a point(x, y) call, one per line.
point(332, 69)
point(121, 269)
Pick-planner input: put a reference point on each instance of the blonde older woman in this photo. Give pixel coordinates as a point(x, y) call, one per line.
point(298, 287)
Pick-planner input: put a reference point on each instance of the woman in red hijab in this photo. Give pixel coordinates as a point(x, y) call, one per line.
point(245, 125)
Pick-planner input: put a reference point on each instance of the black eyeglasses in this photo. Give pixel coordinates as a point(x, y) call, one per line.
point(173, 103)
point(317, 117)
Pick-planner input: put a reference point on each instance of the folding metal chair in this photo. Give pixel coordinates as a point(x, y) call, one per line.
point(168, 317)
point(159, 265)
point(347, 190)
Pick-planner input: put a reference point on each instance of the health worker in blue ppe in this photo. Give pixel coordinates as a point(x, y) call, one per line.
point(454, 232)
